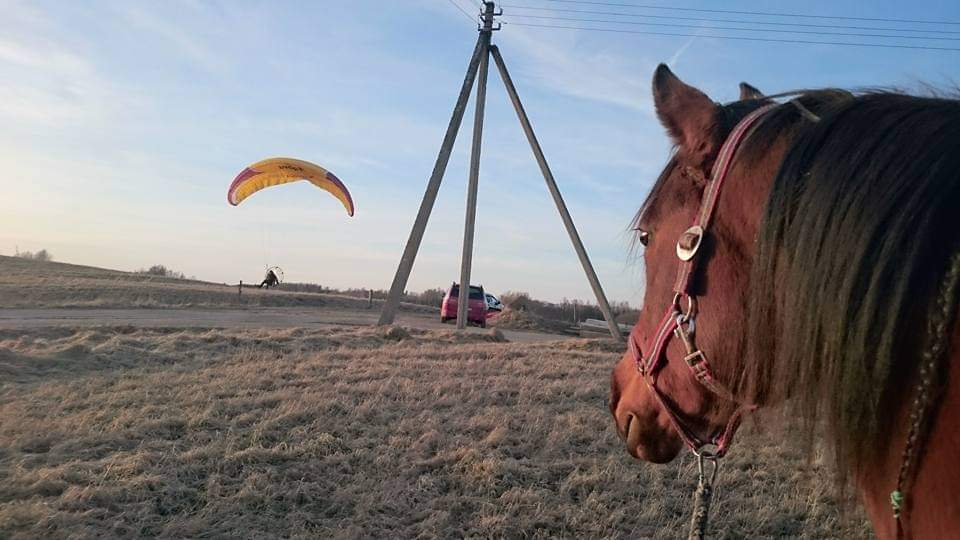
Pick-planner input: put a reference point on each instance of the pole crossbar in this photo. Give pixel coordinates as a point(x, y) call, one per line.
point(477, 70)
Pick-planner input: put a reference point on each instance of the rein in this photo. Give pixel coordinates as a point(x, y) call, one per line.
point(682, 325)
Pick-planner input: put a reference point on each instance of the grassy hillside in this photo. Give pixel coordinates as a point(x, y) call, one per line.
point(367, 432)
point(32, 284)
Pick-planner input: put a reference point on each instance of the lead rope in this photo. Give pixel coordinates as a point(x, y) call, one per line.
point(702, 496)
point(938, 334)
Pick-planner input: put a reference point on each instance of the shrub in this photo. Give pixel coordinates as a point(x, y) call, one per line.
point(160, 270)
point(573, 311)
point(41, 256)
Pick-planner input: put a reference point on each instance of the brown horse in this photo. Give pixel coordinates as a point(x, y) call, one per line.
point(823, 277)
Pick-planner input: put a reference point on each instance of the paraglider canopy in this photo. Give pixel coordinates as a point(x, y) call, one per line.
point(277, 171)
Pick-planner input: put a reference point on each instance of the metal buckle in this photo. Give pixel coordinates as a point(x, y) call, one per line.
point(707, 454)
point(690, 314)
point(689, 243)
point(696, 360)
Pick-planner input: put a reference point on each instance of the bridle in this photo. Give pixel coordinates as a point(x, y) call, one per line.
point(682, 324)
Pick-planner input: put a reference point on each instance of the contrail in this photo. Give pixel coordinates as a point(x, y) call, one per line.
point(672, 62)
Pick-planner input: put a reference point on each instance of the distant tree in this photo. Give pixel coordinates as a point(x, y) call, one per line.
point(157, 270)
point(160, 270)
point(304, 287)
point(42, 255)
point(431, 297)
point(519, 301)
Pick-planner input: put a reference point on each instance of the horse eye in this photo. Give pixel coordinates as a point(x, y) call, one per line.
point(644, 237)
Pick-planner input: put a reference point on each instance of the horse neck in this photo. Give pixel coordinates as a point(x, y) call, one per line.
point(932, 508)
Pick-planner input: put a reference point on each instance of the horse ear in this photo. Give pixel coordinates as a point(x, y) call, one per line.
point(688, 114)
point(748, 91)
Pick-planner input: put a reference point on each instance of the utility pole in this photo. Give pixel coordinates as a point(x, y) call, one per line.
point(466, 260)
point(557, 197)
point(480, 63)
point(433, 186)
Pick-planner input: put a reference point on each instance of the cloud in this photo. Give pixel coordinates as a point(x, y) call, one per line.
point(49, 84)
point(58, 61)
point(178, 32)
point(558, 63)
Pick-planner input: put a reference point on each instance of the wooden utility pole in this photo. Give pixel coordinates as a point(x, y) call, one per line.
point(433, 186)
point(557, 197)
point(466, 260)
point(479, 62)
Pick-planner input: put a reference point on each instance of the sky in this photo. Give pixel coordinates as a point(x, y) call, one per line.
point(124, 122)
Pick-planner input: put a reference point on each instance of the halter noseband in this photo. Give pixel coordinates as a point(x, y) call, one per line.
point(682, 325)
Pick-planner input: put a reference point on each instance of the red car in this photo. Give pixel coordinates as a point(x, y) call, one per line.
point(476, 309)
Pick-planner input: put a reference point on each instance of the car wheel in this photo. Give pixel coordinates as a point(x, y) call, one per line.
point(483, 324)
point(443, 320)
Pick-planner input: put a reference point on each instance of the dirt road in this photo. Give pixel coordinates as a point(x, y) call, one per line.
point(318, 317)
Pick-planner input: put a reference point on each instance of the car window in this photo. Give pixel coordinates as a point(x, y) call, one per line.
point(476, 293)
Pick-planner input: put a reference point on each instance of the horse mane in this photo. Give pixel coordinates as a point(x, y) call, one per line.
point(861, 220)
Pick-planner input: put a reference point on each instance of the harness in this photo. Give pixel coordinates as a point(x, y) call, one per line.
point(682, 325)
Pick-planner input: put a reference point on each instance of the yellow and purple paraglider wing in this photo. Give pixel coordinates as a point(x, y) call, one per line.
point(276, 171)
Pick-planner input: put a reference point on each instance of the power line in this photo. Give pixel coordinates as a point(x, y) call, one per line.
point(737, 21)
point(774, 31)
point(763, 13)
point(739, 38)
point(465, 14)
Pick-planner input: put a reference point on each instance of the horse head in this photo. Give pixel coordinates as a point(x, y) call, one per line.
point(653, 421)
point(804, 252)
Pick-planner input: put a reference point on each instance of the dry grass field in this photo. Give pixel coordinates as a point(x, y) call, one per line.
point(347, 433)
point(31, 284)
point(340, 430)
